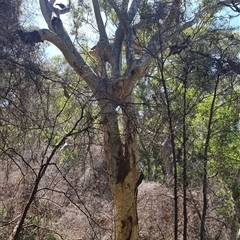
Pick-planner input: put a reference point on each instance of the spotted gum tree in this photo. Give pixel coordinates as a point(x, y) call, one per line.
point(121, 61)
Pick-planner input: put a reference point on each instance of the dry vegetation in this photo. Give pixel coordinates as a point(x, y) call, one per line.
point(73, 206)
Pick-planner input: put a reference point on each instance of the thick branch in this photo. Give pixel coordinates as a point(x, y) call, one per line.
point(119, 36)
point(125, 22)
point(49, 11)
point(101, 28)
point(117, 50)
point(46, 9)
point(102, 51)
point(62, 40)
point(130, 35)
point(65, 45)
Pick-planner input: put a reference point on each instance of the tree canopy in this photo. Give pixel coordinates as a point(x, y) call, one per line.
point(156, 97)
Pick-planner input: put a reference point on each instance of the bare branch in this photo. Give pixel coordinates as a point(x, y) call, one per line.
point(101, 28)
point(64, 43)
point(102, 51)
point(119, 37)
point(47, 9)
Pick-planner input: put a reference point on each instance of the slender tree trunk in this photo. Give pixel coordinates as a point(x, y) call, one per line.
point(184, 160)
point(205, 164)
point(205, 199)
point(174, 155)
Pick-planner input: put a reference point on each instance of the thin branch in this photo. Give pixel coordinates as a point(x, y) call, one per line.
point(158, 42)
point(205, 162)
point(233, 5)
point(16, 231)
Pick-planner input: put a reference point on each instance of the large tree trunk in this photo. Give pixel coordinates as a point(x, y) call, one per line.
point(122, 158)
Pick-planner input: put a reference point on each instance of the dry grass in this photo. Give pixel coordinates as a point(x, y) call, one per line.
point(75, 206)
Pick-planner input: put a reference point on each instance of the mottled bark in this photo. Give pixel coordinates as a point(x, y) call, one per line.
point(121, 157)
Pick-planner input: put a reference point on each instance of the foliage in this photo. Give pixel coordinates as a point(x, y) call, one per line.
point(55, 120)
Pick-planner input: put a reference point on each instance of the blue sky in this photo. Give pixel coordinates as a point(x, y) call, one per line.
point(52, 50)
